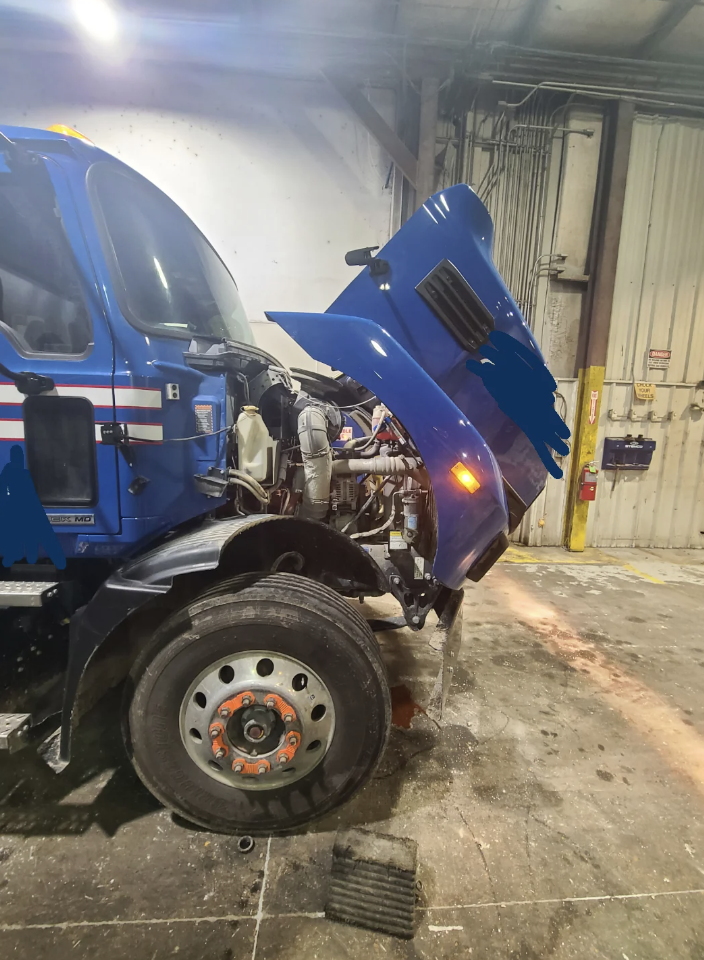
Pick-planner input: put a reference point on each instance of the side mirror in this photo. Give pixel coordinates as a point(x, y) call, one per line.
point(363, 258)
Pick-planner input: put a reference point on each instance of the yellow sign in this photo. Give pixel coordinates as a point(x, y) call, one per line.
point(644, 391)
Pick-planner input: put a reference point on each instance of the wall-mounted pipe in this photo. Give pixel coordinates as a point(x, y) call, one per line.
point(600, 92)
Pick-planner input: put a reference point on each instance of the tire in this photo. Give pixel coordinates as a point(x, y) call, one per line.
point(291, 617)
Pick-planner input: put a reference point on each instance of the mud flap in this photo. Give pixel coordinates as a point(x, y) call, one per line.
point(446, 639)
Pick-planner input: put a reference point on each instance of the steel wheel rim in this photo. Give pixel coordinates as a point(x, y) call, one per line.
point(225, 682)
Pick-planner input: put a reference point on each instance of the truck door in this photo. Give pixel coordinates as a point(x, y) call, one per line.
point(52, 323)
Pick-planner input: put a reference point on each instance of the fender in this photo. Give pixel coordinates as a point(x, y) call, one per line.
point(468, 523)
point(154, 574)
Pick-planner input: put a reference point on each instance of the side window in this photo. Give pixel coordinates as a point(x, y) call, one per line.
point(41, 304)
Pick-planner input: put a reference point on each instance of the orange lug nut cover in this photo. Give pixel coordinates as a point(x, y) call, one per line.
point(240, 765)
point(274, 702)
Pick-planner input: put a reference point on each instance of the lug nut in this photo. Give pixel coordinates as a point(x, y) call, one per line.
point(283, 758)
point(288, 717)
point(270, 703)
point(293, 739)
point(215, 732)
point(262, 768)
point(246, 701)
point(237, 767)
point(225, 713)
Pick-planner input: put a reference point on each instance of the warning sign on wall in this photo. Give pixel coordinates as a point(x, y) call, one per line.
point(659, 359)
point(644, 391)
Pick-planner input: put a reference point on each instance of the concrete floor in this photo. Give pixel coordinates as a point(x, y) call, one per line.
point(558, 812)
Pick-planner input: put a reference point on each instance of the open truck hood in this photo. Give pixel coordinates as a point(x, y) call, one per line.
point(468, 523)
point(455, 226)
point(406, 332)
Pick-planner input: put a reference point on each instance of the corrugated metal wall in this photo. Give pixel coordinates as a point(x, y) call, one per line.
point(505, 157)
point(536, 171)
point(543, 524)
point(658, 304)
point(659, 295)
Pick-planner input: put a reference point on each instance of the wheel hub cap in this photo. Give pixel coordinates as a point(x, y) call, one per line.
point(257, 720)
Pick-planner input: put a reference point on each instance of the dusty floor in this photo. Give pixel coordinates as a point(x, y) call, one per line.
point(558, 812)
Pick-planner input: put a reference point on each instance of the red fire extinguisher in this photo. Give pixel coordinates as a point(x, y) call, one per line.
point(587, 482)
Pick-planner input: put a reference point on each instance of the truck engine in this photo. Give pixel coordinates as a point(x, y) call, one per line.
point(324, 448)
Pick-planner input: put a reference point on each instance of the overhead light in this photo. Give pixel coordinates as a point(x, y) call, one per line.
point(465, 477)
point(98, 19)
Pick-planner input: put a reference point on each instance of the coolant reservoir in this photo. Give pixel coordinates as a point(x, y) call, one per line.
point(256, 451)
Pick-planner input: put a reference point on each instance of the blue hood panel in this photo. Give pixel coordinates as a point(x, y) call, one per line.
point(467, 522)
point(452, 225)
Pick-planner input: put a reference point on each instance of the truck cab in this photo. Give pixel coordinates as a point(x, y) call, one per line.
point(217, 514)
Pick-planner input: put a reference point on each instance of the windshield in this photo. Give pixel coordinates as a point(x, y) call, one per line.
point(41, 304)
point(168, 278)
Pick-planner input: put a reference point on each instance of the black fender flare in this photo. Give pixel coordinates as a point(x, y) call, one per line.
point(154, 574)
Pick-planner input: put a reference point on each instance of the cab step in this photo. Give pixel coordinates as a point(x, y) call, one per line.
point(26, 593)
point(14, 731)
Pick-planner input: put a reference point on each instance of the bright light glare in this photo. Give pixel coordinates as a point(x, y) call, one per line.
point(98, 19)
point(465, 477)
point(161, 273)
point(379, 349)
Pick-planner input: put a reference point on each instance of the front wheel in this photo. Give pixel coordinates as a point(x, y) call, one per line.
point(261, 710)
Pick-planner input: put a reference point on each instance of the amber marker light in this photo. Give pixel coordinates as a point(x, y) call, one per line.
point(68, 132)
point(465, 477)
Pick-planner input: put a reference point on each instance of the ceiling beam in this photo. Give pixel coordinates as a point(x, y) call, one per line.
point(377, 126)
point(529, 22)
point(675, 13)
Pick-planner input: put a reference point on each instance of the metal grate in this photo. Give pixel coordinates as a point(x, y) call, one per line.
point(457, 306)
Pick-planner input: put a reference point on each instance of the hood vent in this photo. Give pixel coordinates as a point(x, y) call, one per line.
point(457, 306)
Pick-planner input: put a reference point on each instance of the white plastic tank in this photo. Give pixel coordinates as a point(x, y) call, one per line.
point(256, 450)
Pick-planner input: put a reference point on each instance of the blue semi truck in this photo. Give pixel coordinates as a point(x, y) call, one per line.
point(218, 513)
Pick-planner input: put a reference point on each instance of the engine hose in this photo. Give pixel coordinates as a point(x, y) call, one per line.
point(359, 512)
point(370, 533)
point(361, 443)
point(317, 462)
point(250, 484)
point(379, 466)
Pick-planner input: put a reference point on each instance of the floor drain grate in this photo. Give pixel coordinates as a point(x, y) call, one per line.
point(373, 882)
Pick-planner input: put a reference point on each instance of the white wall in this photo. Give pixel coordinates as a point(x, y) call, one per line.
point(276, 172)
